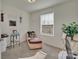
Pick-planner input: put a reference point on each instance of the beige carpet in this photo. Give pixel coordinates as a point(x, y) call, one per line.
point(24, 51)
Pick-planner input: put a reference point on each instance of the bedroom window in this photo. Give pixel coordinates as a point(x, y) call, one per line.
point(47, 24)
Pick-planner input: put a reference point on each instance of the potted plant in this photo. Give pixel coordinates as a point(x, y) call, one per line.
point(70, 30)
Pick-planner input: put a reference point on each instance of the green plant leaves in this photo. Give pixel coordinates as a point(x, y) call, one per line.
point(70, 29)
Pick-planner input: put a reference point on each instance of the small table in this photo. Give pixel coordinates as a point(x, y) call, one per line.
point(3, 45)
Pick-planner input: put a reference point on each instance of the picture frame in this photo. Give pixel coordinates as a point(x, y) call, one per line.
point(12, 23)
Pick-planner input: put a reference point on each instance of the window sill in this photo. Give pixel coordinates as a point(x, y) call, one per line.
point(44, 34)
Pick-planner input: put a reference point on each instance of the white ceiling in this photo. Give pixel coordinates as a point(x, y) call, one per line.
point(39, 4)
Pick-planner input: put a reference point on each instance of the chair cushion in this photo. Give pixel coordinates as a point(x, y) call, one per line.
point(35, 40)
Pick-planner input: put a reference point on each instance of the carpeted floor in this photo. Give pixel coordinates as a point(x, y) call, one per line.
point(24, 51)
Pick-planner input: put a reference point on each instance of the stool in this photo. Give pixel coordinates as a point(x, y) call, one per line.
point(13, 38)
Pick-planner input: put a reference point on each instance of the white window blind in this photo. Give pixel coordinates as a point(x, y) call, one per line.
point(47, 19)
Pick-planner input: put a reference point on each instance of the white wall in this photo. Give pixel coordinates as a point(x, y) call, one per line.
point(0, 5)
point(0, 18)
point(63, 13)
point(12, 13)
point(0, 26)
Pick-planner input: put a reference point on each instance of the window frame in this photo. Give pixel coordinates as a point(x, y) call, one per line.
point(46, 34)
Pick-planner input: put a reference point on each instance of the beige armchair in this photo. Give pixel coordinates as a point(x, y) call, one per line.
point(33, 41)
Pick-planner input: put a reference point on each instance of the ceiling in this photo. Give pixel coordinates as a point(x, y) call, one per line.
point(39, 4)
